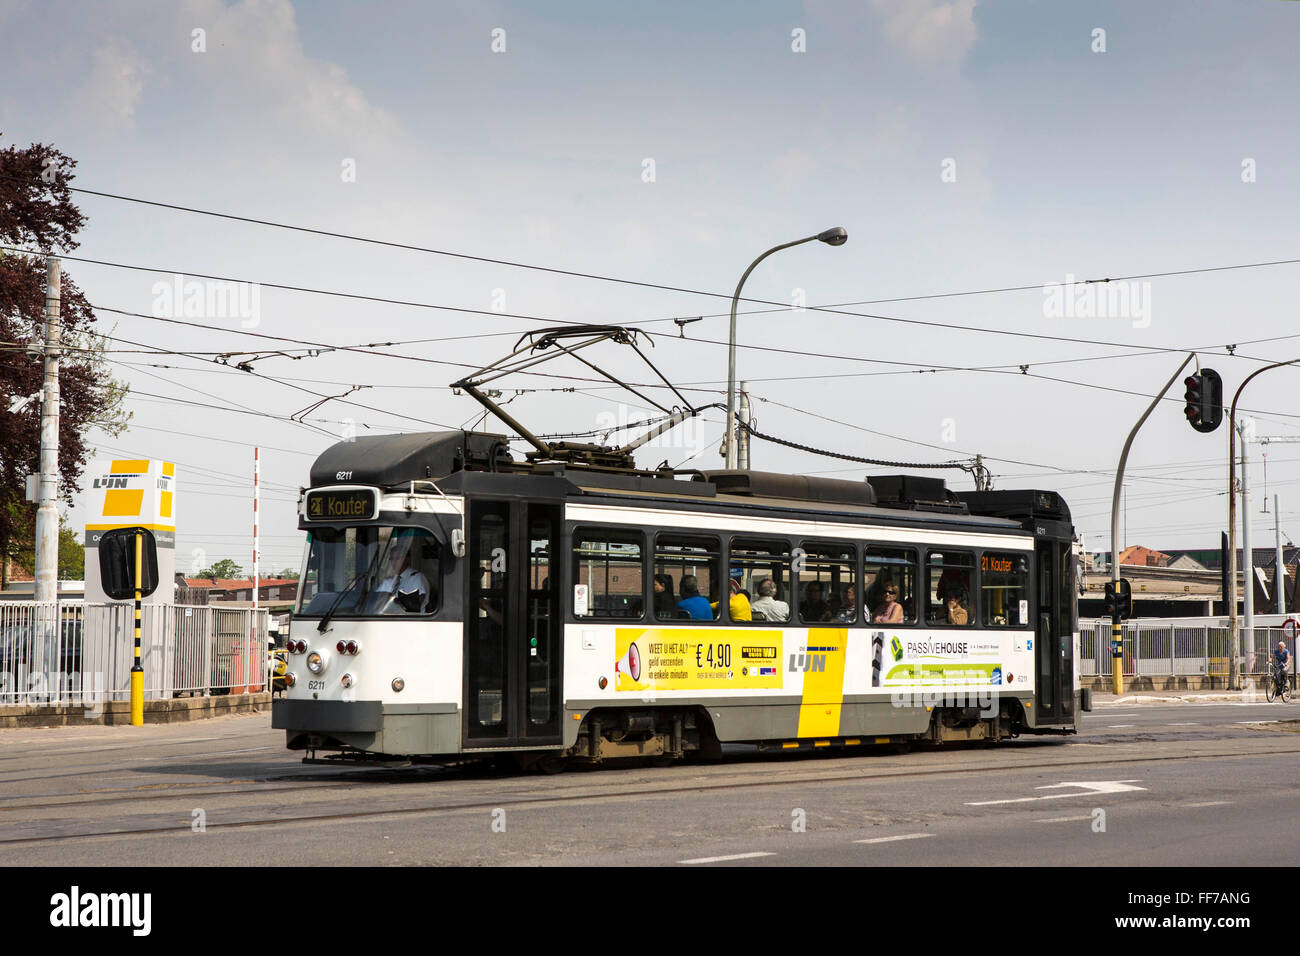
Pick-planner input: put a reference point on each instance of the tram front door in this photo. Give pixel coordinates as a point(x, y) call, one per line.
point(513, 628)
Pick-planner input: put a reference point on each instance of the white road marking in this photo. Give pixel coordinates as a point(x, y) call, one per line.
point(891, 839)
point(724, 859)
point(1090, 789)
point(1064, 819)
point(1210, 803)
point(216, 753)
point(1186, 723)
point(1134, 714)
point(1117, 726)
point(1256, 721)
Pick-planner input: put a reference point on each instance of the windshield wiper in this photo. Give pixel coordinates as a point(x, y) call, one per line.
point(364, 575)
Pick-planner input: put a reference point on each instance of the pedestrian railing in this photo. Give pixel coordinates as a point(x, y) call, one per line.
point(73, 653)
point(1152, 649)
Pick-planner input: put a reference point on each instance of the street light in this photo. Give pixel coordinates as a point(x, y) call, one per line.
point(836, 236)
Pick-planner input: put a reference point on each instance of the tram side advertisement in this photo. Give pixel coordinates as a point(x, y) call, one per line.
point(946, 659)
point(696, 659)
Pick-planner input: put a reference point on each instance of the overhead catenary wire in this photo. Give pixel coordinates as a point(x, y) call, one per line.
point(269, 223)
point(1155, 349)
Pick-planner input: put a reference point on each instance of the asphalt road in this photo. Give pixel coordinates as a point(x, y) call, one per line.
point(1145, 784)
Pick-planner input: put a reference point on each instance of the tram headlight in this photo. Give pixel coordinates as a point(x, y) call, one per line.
point(398, 684)
point(353, 647)
point(290, 679)
point(346, 680)
point(316, 662)
point(341, 647)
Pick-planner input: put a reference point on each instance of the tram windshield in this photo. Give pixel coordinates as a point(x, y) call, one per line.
point(360, 572)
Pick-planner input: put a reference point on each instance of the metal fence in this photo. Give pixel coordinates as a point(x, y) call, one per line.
point(74, 653)
point(1155, 649)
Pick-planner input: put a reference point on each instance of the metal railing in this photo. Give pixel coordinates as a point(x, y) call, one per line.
point(1154, 649)
point(73, 653)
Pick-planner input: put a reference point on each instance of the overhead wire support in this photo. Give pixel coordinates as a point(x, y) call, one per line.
point(963, 465)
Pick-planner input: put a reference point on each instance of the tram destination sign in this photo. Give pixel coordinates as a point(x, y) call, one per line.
point(342, 504)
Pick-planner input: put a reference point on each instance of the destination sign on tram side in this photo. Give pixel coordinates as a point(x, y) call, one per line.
point(348, 504)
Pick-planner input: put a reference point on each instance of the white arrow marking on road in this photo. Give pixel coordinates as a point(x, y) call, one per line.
point(1090, 788)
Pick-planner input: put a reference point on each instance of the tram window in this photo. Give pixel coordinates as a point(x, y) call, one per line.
point(951, 574)
point(689, 568)
point(371, 570)
point(889, 582)
point(1004, 589)
point(828, 584)
point(609, 563)
point(761, 570)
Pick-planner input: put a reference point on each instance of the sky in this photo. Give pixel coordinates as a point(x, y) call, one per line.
point(965, 147)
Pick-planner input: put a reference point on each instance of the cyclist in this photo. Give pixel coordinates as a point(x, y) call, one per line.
point(1281, 657)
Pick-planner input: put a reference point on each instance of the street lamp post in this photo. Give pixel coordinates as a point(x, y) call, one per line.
point(1237, 650)
point(832, 237)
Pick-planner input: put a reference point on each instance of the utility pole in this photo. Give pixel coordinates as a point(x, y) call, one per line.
point(256, 495)
point(742, 434)
point(1279, 569)
point(1247, 598)
point(47, 513)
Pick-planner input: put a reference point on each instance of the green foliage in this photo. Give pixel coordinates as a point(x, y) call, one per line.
point(225, 568)
point(36, 212)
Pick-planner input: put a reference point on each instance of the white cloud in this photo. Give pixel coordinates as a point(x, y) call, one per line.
point(256, 63)
point(116, 81)
point(929, 31)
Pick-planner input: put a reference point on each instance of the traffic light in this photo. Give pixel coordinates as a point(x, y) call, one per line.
point(1119, 596)
point(1204, 398)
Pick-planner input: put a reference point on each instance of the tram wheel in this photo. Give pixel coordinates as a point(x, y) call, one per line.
point(552, 764)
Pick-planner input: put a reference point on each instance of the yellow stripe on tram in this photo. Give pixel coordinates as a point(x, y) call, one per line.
point(823, 682)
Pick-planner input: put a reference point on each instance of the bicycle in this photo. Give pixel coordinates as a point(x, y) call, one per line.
point(1277, 684)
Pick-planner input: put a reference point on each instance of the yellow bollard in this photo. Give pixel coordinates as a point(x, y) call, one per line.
point(1117, 659)
point(137, 672)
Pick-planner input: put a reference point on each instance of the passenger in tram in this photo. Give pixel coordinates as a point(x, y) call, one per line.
point(665, 602)
point(738, 604)
point(848, 611)
point(957, 612)
point(813, 607)
point(889, 610)
point(695, 605)
point(768, 605)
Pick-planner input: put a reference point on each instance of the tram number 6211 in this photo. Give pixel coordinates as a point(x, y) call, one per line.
point(716, 657)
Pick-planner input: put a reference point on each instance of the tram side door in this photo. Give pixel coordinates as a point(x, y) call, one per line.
point(513, 632)
point(1054, 637)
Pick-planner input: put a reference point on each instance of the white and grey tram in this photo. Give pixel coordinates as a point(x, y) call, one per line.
point(456, 602)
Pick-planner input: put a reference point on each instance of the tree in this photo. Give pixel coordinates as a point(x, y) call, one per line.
point(289, 574)
point(72, 553)
point(37, 213)
point(225, 568)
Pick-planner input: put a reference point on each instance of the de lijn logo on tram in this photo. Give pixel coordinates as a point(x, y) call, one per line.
point(354, 504)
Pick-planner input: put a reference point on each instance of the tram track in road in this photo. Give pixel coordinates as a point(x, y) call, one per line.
point(643, 789)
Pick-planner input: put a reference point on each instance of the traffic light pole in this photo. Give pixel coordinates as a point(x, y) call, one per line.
point(1237, 650)
point(1116, 622)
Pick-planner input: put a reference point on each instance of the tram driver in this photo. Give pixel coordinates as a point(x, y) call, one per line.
point(402, 585)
